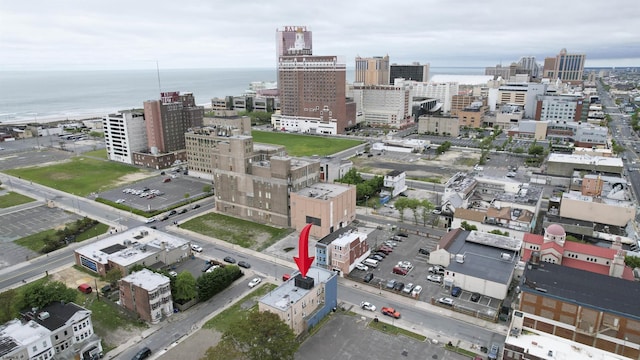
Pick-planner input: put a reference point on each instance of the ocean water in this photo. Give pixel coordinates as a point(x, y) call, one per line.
point(41, 96)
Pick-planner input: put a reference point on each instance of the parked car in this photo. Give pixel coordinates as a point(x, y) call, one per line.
point(164, 218)
point(367, 306)
point(438, 270)
point(166, 180)
point(244, 264)
point(475, 297)
point(173, 273)
point(423, 251)
point(286, 277)
point(399, 271)
point(401, 234)
point(391, 283)
point(254, 282)
point(376, 257)
point(144, 353)
point(196, 248)
point(105, 289)
point(381, 254)
point(362, 267)
point(119, 201)
point(85, 288)
point(493, 352)
point(229, 259)
point(416, 290)
point(389, 311)
point(435, 278)
point(408, 288)
point(386, 249)
point(399, 286)
point(391, 243)
point(150, 220)
point(368, 277)
point(456, 291)
point(207, 266)
point(405, 265)
point(446, 301)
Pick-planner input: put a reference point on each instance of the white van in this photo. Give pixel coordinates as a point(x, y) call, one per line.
point(371, 262)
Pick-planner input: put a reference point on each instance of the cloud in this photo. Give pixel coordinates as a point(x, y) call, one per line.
point(217, 34)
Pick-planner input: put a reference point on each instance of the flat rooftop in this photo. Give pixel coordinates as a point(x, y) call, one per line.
point(587, 289)
point(541, 344)
point(585, 160)
point(147, 279)
point(323, 191)
point(129, 247)
point(484, 255)
point(286, 294)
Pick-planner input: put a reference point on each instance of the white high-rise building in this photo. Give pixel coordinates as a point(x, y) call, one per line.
point(124, 134)
point(442, 91)
point(383, 105)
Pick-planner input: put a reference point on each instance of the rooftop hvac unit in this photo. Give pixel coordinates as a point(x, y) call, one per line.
point(505, 256)
point(43, 315)
point(460, 258)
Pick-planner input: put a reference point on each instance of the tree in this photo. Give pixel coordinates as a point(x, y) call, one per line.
point(426, 206)
point(352, 177)
point(258, 336)
point(113, 275)
point(39, 295)
point(468, 227)
point(207, 189)
point(185, 288)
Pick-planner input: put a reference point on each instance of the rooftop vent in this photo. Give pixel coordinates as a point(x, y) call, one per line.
point(43, 315)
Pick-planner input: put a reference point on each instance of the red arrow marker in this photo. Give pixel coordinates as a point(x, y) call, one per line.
point(303, 260)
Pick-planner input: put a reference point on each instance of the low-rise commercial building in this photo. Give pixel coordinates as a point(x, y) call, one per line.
point(301, 302)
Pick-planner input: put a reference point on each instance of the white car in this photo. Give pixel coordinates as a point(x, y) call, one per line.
point(196, 248)
point(367, 306)
point(407, 288)
point(435, 278)
point(173, 273)
point(405, 265)
point(362, 267)
point(254, 282)
point(416, 290)
point(150, 220)
point(119, 201)
point(446, 301)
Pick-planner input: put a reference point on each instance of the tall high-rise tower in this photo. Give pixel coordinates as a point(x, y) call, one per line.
point(372, 71)
point(566, 67)
point(312, 89)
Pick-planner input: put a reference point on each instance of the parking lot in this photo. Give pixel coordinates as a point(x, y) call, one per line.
point(165, 194)
point(407, 256)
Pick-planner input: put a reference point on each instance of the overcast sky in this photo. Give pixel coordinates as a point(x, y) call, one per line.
point(134, 34)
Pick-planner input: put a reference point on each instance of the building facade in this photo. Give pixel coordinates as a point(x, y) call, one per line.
point(147, 294)
point(124, 133)
point(415, 72)
point(437, 124)
point(383, 106)
point(559, 107)
point(328, 206)
point(57, 331)
point(301, 302)
point(373, 70)
point(346, 251)
point(564, 66)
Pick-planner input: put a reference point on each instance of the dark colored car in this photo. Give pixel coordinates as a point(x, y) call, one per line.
point(400, 271)
point(475, 297)
point(244, 264)
point(368, 277)
point(183, 211)
point(381, 254)
point(195, 206)
point(376, 257)
point(423, 251)
point(399, 286)
point(172, 212)
point(229, 259)
point(144, 353)
point(206, 267)
point(164, 218)
point(456, 291)
point(401, 234)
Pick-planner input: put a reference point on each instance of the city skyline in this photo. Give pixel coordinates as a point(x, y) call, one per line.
point(118, 35)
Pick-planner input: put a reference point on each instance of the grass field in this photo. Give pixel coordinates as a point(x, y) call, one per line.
point(102, 153)
point(230, 316)
point(304, 145)
point(12, 199)
point(236, 231)
point(391, 329)
point(80, 176)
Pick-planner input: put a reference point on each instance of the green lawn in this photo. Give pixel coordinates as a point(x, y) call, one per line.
point(230, 316)
point(12, 199)
point(36, 242)
point(102, 153)
point(391, 329)
point(80, 176)
point(304, 145)
point(236, 231)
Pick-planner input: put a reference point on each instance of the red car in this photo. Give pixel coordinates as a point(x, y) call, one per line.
point(389, 311)
point(400, 271)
